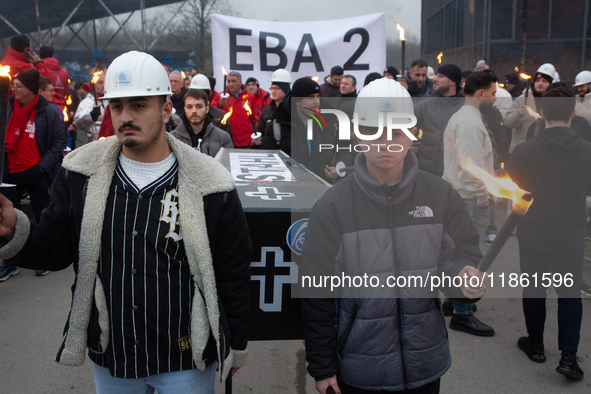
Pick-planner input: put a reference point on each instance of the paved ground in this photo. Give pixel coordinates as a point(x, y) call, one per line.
point(34, 309)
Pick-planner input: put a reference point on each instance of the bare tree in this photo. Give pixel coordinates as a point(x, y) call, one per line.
point(192, 27)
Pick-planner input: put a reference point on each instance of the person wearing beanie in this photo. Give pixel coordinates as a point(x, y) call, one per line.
point(433, 114)
point(290, 135)
point(35, 138)
point(332, 83)
point(278, 91)
point(20, 57)
point(58, 75)
point(262, 98)
point(391, 72)
point(514, 84)
point(518, 117)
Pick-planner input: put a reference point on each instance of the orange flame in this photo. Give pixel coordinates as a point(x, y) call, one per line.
point(532, 112)
point(227, 116)
point(439, 57)
point(224, 71)
point(401, 30)
point(247, 108)
point(501, 85)
point(420, 135)
point(499, 187)
point(5, 71)
point(183, 74)
point(503, 165)
point(315, 79)
point(95, 76)
point(516, 69)
point(102, 138)
point(69, 80)
point(66, 114)
point(524, 76)
point(69, 100)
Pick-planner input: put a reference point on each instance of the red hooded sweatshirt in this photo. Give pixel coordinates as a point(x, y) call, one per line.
point(59, 79)
point(18, 62)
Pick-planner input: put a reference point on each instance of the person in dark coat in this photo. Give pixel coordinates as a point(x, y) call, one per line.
point(555, 167)
point(332, 83)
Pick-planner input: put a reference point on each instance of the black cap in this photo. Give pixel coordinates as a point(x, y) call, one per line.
point(337, 70)
point(393, 71)
point(251, 79)
point(281, 85)
point(304, 87)
point(453, 72)
point(512, 78)
point(30, 79)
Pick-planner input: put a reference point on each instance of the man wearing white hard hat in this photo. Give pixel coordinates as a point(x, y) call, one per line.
point(388, 220)
point(201, 82)
point(158, 241)
point(518, 117)
point(583, 85)
point(280, 85)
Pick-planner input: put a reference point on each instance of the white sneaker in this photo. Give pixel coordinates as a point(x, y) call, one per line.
point(490, 239)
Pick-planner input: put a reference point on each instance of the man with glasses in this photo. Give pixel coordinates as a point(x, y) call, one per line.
point(35, 139)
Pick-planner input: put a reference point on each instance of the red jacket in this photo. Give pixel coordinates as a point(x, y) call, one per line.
point(59, 79)
point(241, 126)
point(18, 62)
point(261, 100)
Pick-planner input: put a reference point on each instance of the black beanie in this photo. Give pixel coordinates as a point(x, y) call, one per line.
point(30, 79)
point(393, 71)
point(453, 72)
point(251, 79)
point(281, 85)
point(304, 87)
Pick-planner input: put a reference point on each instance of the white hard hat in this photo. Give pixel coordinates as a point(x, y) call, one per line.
point(583, 78)
point(382, 96)
point(556, 77)
point(281, 75)
point(547, 69)
point(430, 72)
point(200, 82)
point(135, 74)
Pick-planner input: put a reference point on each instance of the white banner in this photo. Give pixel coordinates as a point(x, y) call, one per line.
point(257, 48)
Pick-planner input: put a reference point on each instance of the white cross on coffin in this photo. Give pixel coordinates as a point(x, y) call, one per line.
point(269, 193)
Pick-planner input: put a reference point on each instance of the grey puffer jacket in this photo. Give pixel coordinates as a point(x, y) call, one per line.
point(213, 139)
point(397, 342)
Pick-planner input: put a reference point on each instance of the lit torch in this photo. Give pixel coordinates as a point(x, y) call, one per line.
point(95, 78)
point(69, 100)
point(516, 69)
point(403, 45)
point(249, 113)
point(66, 118)
point(4, 89)
point(227, 116)
point(315, 79)
point(439, 57)
point(533, 113)
point(419, 138)
point(225, 76)
point(501, 188)
point(527, 78)
point(183, 75)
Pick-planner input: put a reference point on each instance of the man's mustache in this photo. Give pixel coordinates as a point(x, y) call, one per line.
point(128, 126)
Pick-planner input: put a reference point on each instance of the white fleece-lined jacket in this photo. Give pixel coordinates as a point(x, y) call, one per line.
point(216, 240)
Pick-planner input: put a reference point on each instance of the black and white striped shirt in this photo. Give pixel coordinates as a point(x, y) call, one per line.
point(146, 277)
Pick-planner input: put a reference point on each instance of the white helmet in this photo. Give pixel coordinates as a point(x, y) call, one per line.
point(583, 78)
point(136, 74)
point(200, 82)
point(547, 69)
point(381, 96)
point(430, 72)
point(556, 77)
point(281, 75)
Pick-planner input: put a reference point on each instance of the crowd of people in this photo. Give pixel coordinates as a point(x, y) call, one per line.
point(82, 203)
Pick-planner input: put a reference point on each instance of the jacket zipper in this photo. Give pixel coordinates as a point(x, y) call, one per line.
point(398, 303)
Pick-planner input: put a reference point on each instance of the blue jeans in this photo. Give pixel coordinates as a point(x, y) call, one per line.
point(179, 382)
point(480, 217)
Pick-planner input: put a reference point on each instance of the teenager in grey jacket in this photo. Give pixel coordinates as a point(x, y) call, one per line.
point(388, 220)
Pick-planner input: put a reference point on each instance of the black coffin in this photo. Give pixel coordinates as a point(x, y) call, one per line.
point(277, 211)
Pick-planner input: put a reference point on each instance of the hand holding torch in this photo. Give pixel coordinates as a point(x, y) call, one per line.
point(501, 188)
point(95, 78)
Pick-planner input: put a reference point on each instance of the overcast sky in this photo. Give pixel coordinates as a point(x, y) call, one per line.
point(407, 12)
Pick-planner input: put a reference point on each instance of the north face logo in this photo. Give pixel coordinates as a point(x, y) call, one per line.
point(422, 212)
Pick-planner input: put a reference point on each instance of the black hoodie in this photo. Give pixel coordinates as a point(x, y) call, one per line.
point(555, 166)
